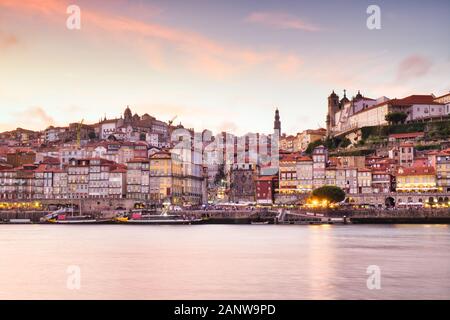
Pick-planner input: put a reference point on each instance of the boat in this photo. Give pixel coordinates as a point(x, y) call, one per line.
point(66, 216)
point(259, 222)
point(78, 220)
point(19, 221)
point(158, 219)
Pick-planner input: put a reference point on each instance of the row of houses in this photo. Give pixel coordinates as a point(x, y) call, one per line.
point(298, 175)
point(161, 177)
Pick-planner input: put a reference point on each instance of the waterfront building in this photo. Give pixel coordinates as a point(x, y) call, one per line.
point(166, 181)
point(288, 173)
point(304, 174)
point(416, 179)
point(138, 179)
point(364, 180)
point(78, 178)
point(25, 182)
point(443, 171)
point(382, 181)
point(99, 177)
point(330, 176)
point(8, 186)
point(117, 183)
point(49, 182)
point(242, 182)
point(265, 189)
point(320, 160)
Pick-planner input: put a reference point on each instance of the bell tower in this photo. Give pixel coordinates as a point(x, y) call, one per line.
point(333, 107)
point(277, 122)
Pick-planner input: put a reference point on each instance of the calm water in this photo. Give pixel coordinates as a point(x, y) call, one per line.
point(224, 261)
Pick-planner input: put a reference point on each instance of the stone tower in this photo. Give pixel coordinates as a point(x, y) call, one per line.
point(333, 107)
point(277, 122)
point(127, 114)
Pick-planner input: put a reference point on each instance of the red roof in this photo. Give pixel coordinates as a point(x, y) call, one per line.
point(136, 160)
point(406, 144)
point(414, 99)
point(406, 135)
point(266, 178)
point(416, 171)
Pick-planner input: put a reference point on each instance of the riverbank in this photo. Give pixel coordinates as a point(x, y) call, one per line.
point(270, 216)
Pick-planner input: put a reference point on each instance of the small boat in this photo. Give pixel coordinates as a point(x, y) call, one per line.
point(158, 219)
point(259, 222)
point(66, 216)
point(19, 221)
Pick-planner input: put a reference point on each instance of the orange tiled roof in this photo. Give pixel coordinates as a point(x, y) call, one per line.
point(416, 171)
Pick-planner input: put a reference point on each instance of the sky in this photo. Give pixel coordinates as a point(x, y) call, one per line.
point(218, 65)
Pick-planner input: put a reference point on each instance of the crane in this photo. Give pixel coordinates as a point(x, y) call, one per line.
point(79, 132)
point(172, 120)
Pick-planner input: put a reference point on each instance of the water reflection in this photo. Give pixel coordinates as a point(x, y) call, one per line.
point(225, 261)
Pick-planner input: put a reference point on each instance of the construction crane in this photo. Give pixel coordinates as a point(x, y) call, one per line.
point(79, 133)
point(172, 120)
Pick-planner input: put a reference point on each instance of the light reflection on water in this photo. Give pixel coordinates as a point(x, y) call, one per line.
point(225, 261)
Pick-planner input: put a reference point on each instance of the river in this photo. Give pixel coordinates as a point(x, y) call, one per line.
point(224, 262)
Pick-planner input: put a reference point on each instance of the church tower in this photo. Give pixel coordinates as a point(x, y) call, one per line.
point(127, 115)
point(277, 122)
point(333, 107)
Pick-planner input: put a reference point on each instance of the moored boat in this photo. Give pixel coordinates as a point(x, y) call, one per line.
point(137, 218)
point(66, 216)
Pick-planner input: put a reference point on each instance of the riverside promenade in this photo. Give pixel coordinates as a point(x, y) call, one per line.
point(279, 215)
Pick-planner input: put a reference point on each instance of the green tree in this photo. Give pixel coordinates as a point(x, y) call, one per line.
point(313, 145)
point(220, 175)
point(331, 193)
point(344, 143)
point(92, 135)
point(396, 117)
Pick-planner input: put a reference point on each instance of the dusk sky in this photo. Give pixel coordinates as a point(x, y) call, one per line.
point(219, 65)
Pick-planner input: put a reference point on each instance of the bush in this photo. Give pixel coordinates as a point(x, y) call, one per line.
point(396, 117)
point(331, 193)
point(427, 147)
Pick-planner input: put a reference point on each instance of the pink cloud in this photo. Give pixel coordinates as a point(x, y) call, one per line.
point(280, 20)
point(34, 118)
point(7, 40)
point(413, 66)
point(193, 50)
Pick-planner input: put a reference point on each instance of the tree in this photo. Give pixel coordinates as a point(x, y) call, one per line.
point(92, 135)
point(396, 117)
point(220, 175)
point(312, 146)
point(332, 194)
